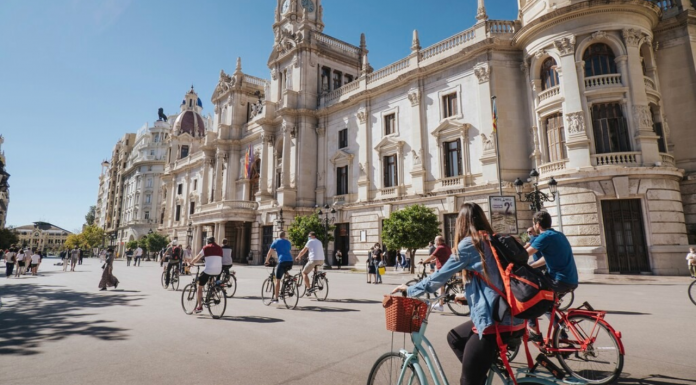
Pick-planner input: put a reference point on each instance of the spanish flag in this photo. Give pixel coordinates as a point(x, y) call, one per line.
point(495, 117)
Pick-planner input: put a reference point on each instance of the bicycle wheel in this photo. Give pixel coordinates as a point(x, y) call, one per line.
point(290, 293)
point(302, 289)
point(174, 281)
point(164, 279)
point(601, 362)
point(188, 298)
point(566, 301)
point(267, 291)
point(231, 286)
point(216, 302)
point(321, 291)
point(456, 307)
point(387, 369)
point(692, 292)
point(415, 281)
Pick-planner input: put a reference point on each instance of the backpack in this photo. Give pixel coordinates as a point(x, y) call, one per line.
point(528, 293)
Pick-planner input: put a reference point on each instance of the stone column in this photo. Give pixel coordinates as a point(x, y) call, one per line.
point(172, 202)
point(418, 173)
point(217, 182)
point(287, 144)
point(204, 188)
point(321, 166)
point(645, 136)
point(363, 155)
point(219, 232)
point(232, 174)
point(488, 157)
point(196, 241)
point(577, 141)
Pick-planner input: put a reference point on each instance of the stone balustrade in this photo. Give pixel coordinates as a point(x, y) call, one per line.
point(255, 81)
point(226, 205)
point(617, 159)
point(549, 93)
point(448, 44)
point(553, 166)
point(388, 70)
point(667, 160)
point(335, 43)
point(337, 93)
point(494, 27)
point(455, 181)
point(388, 191)
point(610, 80)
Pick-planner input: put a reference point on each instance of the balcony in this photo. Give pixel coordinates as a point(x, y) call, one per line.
point(231, 210)
point(389, 192)
point(553, 166)
point(451, 183)
point(667, 160)
point(603, 81)
point(626, 159)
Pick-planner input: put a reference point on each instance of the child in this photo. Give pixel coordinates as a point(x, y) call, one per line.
point(691, 261)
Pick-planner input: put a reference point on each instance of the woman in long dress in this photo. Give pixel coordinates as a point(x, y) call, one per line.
point(108, 278)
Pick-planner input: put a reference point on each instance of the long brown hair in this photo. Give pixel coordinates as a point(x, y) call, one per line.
point(471, 222)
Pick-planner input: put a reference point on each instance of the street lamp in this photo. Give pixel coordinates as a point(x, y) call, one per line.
point(536, 198)
point(327, 221)
point(189, 234)
point(112, 237)
point(279, 221)
point(149, 232)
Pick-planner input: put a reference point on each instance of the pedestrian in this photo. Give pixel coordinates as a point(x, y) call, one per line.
point(339, 258)
point(691, 261)
point(66, 259)
point(407, 260)
point(10, 259)
point(108, 279)
point(74, 257)
point(129, 256)
point(20, 262)
point(80, 255)
point(371, 266)
point(441, 254)
point(188, 257)
point(378, 256)
point(226, 258)
point(35, 260)
point(138, 255)
point(27, 261)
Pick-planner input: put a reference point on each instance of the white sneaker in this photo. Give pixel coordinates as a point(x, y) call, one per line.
point(438, 307)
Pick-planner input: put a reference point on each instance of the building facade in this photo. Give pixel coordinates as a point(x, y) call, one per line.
point(4, 187)
point(592, 93)
point(42, 236)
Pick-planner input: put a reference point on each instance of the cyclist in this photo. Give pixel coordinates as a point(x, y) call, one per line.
point(282, 247)
point(316, 258)
point(175, 251)
point(226, 257)
point(440, 255)
point(212, 253)
point(473, 342)
point(557, 256)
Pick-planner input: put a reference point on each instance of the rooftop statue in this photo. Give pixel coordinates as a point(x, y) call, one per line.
point(162, 116)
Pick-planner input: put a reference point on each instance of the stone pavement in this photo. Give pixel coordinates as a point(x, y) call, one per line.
point(58, 329)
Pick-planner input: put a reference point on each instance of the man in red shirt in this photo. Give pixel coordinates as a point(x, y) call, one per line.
point(440, 255)
point(213, 267)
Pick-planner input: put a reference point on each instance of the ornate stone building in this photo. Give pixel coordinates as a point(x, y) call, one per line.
point(42, 236)
point(584, 90)
point(4, 187)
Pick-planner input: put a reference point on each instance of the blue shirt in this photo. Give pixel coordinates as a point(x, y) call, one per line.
point(537, 256)
point(282, 247)
point(558, 255)
point(479, 295)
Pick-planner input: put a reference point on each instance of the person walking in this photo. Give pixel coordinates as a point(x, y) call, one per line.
point(316, 258)
point(138, 255)
point(66, 259)
point(691, 261)
point(20, 263)
point(378, 257)
point(80, 255)
point(188, 257)
point(74, 257)
point(35, 261)
point(371, 266)
point(282, 247)
point(129, 256)
point(108, 279)
point(10, 259)
point(339, 258)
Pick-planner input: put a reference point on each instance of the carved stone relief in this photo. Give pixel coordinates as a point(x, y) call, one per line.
point(642, 115)
point(576, 122)
point(565, 45)
point(362, 116)
point(482, 72)
point(632, 36)
point(598, 35)
point(488, 144)
point(414, 97)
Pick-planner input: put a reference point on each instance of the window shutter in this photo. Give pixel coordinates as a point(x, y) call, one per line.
point(459, 157)
point(385, 171)
point(448, 166)
point(395, 171)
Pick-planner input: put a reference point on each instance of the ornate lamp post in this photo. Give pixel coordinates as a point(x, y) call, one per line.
point(112, 237)
point(536, 198)
point(149, 232)
point(327, 222)
point(280, 222)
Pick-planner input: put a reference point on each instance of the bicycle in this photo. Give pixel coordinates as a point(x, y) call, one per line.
point(453, 287)
point(404, 367)
point(692, 292)
point(229, 283)
point(213, 297)
point(173, 279)
point(289, 290)
point(319, 285)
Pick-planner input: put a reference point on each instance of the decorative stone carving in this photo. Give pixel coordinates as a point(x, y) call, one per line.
point(414, 97)
point(268, 138)
point(293, 132)
point(320, 130)
point(362, 116)
point(488, 144)
point(417, 158)
point(482, 72)
point(576, 122)
point(648, 40)
point(632, 36)
point(288, 81)
point(598, 35)
point(665, 126)
point(524, 67)
point(540, 53)
point(643, 117)
point(565, 45)
point(295, 61)
point(274, 74)
point(535, 138)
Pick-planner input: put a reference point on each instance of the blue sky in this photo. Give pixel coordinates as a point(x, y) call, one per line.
point(78, 74)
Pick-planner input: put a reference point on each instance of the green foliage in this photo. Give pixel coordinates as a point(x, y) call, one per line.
point(132, 244)
point(93, 236)
point(91, 215)
point(154, 242)
point(298, 231)
point(411, 228)
point(76, 240)
point(8, 237)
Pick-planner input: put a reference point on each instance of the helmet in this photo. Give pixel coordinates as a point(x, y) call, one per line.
point(211, 239)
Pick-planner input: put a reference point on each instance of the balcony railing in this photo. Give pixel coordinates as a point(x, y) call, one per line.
point(225, 205)
point(649, 84)
point(549, 93)
point(553, 166)
point(667, 160)
point(610, 80)
point(617, 159)
point(448, 43)
point(665, 4)
point(388, 191)
point(388, 70)
point(451, 182)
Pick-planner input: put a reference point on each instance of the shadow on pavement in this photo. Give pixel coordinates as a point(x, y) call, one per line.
point(621, 312)
point(255, 298)
point(655, 379)
point(252, 319)
point(325, 309)
point(33, 314)
point(355, 301)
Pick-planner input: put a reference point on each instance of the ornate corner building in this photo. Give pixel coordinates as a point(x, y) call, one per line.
point(584, 90)
point(4, 187)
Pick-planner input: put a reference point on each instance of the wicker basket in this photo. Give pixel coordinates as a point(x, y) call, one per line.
point(404, 315)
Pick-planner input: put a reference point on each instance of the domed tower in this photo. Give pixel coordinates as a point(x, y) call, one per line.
point(190, 120)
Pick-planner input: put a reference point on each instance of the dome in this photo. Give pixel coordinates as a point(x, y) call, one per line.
point(190, 122)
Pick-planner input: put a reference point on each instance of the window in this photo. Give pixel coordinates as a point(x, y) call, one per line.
point(342, 180)
point(148, 198)
point(325, 78)
point(555, 138)
point(549, 74)
point(599, 60)
point(337, 77)
point(179, 188)
point(389, 124)
point(184, 152)
point(657, 127)
point(610, 128)
point(343, 138)
point(195, 184)
point(152, 152)
point(348, 79)
point(449, 105)
point(192, 207)
point(390, 172)
point(453, 158)
point(177, 214)
point(147, 215)
point(149, 183)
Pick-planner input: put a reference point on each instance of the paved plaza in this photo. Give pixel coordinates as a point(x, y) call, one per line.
point(58, 329)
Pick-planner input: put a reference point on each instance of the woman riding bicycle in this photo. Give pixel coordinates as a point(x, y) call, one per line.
point(476, 352)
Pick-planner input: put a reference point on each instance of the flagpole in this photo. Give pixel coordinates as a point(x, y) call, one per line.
point(497, 147)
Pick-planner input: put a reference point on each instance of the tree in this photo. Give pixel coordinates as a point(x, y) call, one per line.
point(8, 237)
point(93, 236)
point(76, 240)
point(91, 215)
point(132, 244)
point(155, 241)
point(411, 228)
point(301, 226)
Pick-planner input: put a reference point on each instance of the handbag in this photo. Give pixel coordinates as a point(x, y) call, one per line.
point(382, 270)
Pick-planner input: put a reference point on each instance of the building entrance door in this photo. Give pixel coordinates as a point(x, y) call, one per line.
point(341, 242)
point(266, 241)
point(625, 236)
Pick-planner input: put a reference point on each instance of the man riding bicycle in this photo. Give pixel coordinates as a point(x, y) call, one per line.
point(174, 260)
point(226, 257)
point(282, 247)
point(212, 253)
point(316, 258)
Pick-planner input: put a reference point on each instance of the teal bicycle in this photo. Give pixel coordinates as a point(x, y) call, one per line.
point(407, 367)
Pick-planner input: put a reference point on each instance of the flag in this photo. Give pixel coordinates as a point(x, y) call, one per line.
point(251, 161)
point(495, 117)
point(246, 164)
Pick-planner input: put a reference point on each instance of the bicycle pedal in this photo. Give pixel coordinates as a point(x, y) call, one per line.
point(550, 366)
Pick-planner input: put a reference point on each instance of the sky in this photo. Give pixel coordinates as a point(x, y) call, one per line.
point(78, 74)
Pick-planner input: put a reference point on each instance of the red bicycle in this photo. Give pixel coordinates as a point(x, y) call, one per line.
point(586, 346)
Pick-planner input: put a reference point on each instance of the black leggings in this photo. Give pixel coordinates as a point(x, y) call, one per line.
point(475, 354)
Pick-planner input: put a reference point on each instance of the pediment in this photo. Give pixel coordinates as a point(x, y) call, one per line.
point(450, 126)
point(185, 136)
point(342, 156)
point(389, 142)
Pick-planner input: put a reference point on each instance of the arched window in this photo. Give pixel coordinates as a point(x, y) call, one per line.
point(599, 60)
point(549, 75)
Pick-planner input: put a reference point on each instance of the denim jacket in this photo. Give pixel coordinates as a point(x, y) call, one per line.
point(479, 295)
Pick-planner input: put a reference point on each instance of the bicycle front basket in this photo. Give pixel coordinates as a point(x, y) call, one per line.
point(404, 315)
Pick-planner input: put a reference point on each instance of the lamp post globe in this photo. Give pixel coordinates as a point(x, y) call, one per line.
point(536, 198)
